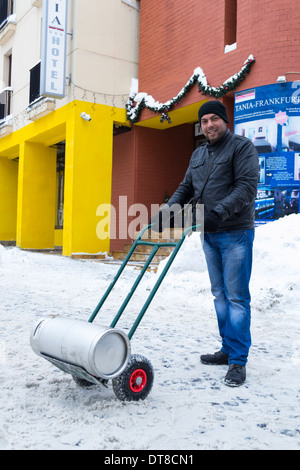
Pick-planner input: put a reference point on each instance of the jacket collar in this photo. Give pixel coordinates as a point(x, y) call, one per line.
point(220, 142)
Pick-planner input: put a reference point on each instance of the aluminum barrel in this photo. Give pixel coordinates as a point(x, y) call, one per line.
point(103, 352)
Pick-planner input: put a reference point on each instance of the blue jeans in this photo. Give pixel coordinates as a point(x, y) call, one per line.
point(229, 262)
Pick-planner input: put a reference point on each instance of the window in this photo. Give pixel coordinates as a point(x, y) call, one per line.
point(6, 93)
point(5, 98)
point(34, 87)
point(9, 61)
point(230, 30)
point(60, 183)
point(6, 9)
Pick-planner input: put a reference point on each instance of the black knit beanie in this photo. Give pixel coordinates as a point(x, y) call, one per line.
point(213, 107)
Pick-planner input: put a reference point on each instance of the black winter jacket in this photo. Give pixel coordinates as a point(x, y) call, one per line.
point(231, 186)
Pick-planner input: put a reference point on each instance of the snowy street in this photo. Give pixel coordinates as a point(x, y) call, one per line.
point(189, 407)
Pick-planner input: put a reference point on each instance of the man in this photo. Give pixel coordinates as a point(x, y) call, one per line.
point(223, 175)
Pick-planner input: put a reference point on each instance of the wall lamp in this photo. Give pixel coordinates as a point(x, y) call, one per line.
point(85, 116)
point(282, 78)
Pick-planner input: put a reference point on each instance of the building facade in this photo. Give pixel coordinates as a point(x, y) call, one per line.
point(80, 184)
point(56, 153)
point(192, 51)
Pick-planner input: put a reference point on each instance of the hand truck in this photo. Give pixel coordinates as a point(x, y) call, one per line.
point(95, 354)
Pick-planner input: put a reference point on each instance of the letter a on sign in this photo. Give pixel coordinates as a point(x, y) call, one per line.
point(54, 48)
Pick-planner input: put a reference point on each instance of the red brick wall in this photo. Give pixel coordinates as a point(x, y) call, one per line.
point(176, 36)
point(123, 179)
point(148, 163)
point(163, 161)
point(179, 35)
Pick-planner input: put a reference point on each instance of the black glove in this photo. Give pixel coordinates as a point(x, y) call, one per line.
point(211, 222)
point(161, 219)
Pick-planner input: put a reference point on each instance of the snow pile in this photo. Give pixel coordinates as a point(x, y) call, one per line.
point(189, 406)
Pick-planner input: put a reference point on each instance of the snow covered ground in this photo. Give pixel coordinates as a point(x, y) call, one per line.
point(189, 407)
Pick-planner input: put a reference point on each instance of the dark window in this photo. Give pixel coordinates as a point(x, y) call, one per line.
point(2, 110)
point(5, 102)
point(60, 186)
point(34, 89)
point(5, 96)
point(230, 31)
point(3, 10)
point(9, 84)
point(6, 9)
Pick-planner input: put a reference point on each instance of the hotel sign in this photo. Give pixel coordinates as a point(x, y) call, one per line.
point(54, 48)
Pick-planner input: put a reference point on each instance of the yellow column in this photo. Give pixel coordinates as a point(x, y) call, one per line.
point(88, 173)
point(36, 196)
point(8, 199)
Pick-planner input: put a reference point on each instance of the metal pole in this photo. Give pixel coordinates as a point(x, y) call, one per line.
point(135, 285)
point(111, 286)
point(157, 285)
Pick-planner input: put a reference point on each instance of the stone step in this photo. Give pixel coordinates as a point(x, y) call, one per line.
point(88, 256)
point(142, 252)
point(166, 236)
point(164, 250)
point(142, 257)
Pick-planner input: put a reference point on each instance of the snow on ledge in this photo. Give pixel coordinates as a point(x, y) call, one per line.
point(230, 47)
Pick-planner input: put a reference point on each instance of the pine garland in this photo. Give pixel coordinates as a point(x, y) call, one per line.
point(138, 101)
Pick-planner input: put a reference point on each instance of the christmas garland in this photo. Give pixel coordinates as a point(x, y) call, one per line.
point(138, 101)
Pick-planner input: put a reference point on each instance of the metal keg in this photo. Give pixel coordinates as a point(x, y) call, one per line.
point(101, 351)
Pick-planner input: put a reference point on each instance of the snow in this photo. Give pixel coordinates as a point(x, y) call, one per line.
point(142, 99)
point(230, 47)
point(11, 19)
point(7, 120)
point(189, 407)
point(134, 89)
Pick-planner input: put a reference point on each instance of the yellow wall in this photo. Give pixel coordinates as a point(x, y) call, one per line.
point(184, 115)
point(88, 172)
point(8, 199)
point(36, 196)
point(58, 238)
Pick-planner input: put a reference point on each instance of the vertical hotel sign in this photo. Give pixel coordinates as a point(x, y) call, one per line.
point(54, 44)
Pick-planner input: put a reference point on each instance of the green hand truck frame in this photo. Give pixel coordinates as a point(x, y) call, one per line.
point(136, 381)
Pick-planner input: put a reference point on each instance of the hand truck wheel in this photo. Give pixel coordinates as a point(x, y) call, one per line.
point(135, 383)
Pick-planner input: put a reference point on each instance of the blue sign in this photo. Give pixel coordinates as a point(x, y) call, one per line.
point(270, 117)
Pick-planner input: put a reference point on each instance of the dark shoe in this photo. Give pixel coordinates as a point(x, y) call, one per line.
point(235, 376)
point(219, 358)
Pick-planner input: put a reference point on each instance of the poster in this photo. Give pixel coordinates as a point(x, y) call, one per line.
point(270, 117)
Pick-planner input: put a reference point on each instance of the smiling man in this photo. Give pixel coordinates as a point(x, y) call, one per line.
point(213, 125)
point(223, 176)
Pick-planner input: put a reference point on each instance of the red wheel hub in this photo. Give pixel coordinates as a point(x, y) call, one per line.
point(138, 380)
